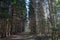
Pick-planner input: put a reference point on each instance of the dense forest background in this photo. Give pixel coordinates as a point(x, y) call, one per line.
point(40, 17)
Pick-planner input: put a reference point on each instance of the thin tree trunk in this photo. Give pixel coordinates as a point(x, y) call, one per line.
point(32, 20)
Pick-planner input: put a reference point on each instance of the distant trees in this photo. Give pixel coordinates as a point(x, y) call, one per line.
point(3, 16)
point(13, 16)
point(13, 13)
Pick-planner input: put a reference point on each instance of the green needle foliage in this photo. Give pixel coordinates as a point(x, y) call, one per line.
point(14, 2)
point(4, 13)
point(21, 7)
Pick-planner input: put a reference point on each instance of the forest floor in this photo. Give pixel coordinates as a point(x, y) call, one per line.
point(25, 37)
point(19, 37)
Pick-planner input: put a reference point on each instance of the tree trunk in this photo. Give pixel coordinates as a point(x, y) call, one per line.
point(32, 20)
